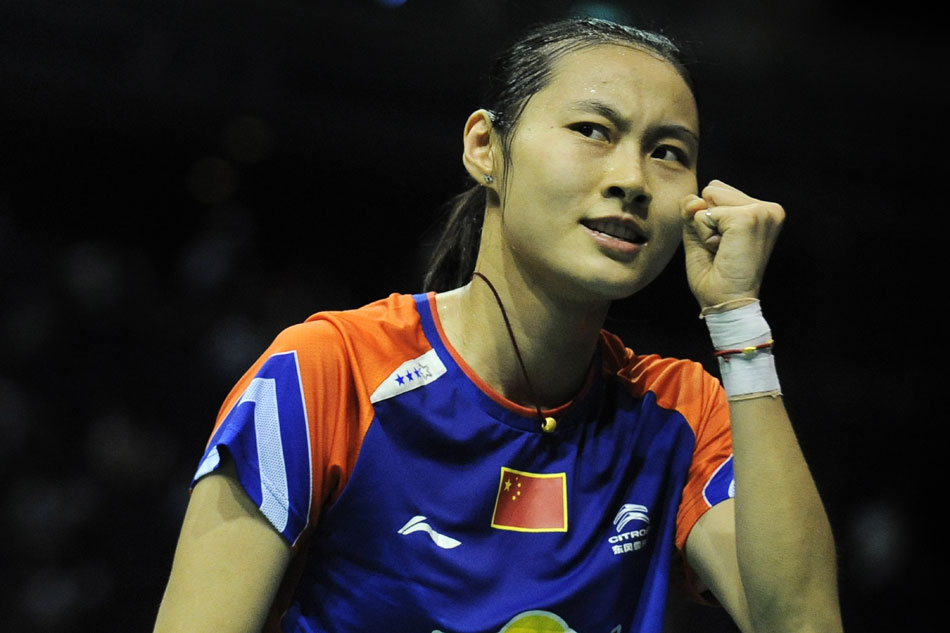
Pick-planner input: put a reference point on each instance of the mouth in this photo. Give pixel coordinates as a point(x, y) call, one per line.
point(616, 228)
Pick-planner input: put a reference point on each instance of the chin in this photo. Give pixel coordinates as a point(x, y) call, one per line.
point(599, 279)
point(620, 282)
point(613, 288)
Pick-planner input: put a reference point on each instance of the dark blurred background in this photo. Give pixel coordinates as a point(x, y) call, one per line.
point(181, 180)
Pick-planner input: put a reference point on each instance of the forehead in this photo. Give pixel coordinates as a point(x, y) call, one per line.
point(630, 78)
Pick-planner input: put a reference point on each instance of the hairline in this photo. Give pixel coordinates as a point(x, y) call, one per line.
point(560, 51)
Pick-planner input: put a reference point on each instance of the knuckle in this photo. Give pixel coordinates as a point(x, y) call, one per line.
point(768, 214)
point(776, 211)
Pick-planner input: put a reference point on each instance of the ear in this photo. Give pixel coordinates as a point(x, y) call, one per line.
point(478, 143)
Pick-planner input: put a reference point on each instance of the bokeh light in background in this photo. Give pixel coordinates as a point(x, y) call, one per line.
point(181, 182)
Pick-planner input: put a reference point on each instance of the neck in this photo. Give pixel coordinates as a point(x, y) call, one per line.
point(556, 340)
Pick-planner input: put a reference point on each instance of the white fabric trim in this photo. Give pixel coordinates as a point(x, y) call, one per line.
point(270, 455)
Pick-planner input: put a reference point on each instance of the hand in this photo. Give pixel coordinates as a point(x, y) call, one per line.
point(728, 237)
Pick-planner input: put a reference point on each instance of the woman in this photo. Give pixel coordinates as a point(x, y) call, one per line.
point(485, 457)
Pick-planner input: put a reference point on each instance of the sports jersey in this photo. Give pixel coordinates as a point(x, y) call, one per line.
point(418, 499)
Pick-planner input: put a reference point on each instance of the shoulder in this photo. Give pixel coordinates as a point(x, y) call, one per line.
point(675, 383)
point(390, 318)
point(646, 371)
point(368, 342)
point(396, 309)
point(331, 345)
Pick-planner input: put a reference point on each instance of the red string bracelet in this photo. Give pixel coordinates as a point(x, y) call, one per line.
point(725, 353)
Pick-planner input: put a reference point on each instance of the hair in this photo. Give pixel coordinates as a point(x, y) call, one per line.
point(518, 73)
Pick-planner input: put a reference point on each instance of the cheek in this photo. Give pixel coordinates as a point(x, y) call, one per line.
point(667, 236)
point(666, 207)
point(545, 191)
point(544, 165)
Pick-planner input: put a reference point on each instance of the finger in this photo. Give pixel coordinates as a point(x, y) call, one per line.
point(691, 204)
point(696, 213)
point(711, 235)
point(700, 221)
point(731, 207)
point(717, 193)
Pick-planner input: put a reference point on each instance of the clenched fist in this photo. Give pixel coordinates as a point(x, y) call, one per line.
point(728, 237)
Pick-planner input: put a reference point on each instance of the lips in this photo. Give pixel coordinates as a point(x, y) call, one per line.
point(617, 228)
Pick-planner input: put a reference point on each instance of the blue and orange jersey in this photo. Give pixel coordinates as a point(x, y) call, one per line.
point(419, 499)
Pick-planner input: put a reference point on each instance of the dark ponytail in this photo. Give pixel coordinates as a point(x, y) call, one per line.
point(453, 259)
point(520, 72)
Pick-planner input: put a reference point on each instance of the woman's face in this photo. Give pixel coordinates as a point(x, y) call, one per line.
point(600, 159)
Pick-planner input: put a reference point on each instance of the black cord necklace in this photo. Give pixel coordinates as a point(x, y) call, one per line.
point(548, 424)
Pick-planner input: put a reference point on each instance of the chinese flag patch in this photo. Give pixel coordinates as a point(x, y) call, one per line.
point(530, 502)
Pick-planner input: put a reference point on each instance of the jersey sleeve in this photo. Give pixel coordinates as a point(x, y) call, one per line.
point(295, 422)
point(290, 425)
point(710, 479)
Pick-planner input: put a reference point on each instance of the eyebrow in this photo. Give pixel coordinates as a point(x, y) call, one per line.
point(603, 109)
point(675, 130)
point(610, 113)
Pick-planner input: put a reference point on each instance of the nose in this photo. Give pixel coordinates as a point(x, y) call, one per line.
point(627, 181)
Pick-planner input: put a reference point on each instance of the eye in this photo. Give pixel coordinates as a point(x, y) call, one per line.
point(671, 153)
point(593, 131)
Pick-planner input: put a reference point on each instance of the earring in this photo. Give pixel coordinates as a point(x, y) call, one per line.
point(489, 179)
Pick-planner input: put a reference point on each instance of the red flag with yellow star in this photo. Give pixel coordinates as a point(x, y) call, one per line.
point(531, 502)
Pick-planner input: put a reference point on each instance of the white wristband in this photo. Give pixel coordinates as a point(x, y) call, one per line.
point(743, 340)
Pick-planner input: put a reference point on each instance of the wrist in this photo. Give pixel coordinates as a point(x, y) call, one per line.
point(743, 342)
point(725, 306)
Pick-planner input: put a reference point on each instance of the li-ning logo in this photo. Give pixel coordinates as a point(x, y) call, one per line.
point(417, 524)
point(630, 540)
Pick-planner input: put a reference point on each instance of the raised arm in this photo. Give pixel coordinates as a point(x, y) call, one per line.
point(228, 564)
point(769, 556)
